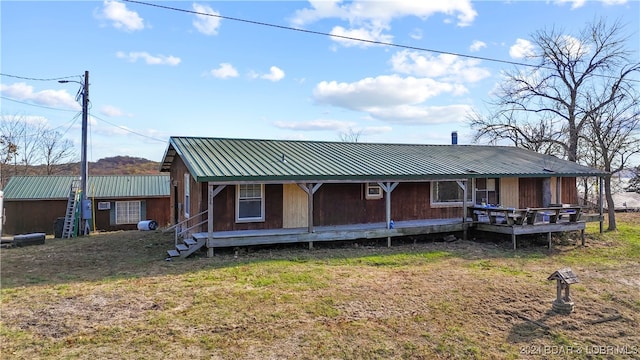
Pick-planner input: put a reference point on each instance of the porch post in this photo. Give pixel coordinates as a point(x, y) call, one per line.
point(463, 185)
point(310, 189)
point(212, 192)
point(210, 218)
point(388, 188)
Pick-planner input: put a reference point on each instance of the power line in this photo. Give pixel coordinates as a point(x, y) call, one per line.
point(39, 79)
point(128, 130)
point(330, 35)
point(34, 105)
point(260, 23)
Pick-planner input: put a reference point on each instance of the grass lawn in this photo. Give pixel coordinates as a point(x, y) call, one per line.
point(113, 296)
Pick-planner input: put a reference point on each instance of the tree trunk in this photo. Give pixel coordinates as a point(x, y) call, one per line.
point(610, 205)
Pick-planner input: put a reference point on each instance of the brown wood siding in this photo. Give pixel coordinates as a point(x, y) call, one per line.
point(23, 217)
point(224, 205)
point(530, 192)
point(569, 191)
point(40, 216)
point(339, 204)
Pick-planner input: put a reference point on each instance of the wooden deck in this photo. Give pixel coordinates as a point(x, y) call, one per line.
point(538, 228)
point(332, 233)
point(223, 239)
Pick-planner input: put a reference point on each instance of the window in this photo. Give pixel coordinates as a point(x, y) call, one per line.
point(373, 191)
point(187, 195)
point(128, 212)
point(250, 202)
point(448, 193)
point(487, 191)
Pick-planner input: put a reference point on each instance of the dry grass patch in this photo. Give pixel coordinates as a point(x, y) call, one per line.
point(114, 296)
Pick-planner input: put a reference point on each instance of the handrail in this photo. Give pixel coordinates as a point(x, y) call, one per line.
point(178, 227)
point(183, 221)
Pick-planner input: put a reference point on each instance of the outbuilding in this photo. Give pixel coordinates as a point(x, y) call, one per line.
point(119, 202)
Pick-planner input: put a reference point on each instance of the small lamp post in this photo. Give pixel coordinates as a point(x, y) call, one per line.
point(564, 277)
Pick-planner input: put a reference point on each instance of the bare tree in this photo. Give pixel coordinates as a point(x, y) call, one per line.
point(8, 151)
point(27, 143)
point(612, 132)
point(580, 92)
point(351, 135)
point(555, 91)
point(55, 151)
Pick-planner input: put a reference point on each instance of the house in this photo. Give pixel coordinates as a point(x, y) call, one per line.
point(119, 202)
point(236, 192)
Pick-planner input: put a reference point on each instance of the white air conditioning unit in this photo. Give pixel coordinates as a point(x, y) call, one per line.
point(373, 191)
point(104, 205)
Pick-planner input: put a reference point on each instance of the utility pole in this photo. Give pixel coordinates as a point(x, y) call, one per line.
point(85, 211)
point(85, 204)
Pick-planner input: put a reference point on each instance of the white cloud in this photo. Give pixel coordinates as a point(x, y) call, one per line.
point(371, 36)
point(206, 24)
point(121, 17)
point(416, 34)
point(362, 11)
point(477, 45)
point(225, 71)
point(576, 4)
point(382, 91)
point(421, 115)
point(444, 66)
point(112, 111)
point(314, 125)
point(521, 49)
point(368, 19)
point(393, 99)
point(54, 98)
point(148, 58)
point(275, 74)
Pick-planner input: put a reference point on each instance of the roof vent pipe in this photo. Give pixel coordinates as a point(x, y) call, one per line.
point(454, 138)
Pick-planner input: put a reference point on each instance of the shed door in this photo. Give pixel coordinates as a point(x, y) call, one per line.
point(294, 206)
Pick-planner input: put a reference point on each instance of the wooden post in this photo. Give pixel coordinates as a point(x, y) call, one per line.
point(210, 219)
point(601, 204)
point(212, 192)
point(513, 238)
point(549, 238)
point(388, 188)
point(310, 189)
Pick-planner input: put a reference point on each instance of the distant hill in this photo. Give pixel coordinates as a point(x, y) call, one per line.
point(117, 165)
point(123, 165)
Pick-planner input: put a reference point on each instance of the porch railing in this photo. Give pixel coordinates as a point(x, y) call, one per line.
point(183, 227)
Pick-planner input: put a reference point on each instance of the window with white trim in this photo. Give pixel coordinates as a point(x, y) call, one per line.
point(448, 193)
point(249, 202)
point(187, 195)
point(128, 212)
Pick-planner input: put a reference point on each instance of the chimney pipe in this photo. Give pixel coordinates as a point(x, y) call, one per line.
point(454, 138)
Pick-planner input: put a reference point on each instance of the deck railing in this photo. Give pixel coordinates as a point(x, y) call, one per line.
point(183, 228)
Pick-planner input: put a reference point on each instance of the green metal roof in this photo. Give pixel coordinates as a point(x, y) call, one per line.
point(104, 187)
point(234, 160)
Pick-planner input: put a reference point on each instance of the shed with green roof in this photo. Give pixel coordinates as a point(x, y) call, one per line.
point(34, 203)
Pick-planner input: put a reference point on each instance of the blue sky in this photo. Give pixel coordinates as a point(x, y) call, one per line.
point(156, 73)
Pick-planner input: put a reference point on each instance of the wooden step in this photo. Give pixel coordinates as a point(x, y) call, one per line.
point(173, 253)
point(182, 247)
point(190, 242)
